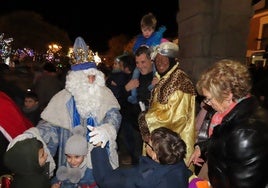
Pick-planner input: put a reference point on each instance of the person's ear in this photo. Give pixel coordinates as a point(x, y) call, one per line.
point(154, 156)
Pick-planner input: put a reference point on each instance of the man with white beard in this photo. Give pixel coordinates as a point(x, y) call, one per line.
point(85, 101)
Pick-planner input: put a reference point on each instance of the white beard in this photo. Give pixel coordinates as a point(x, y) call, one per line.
point(86, 102)
point(88, 97)
point(95, 100)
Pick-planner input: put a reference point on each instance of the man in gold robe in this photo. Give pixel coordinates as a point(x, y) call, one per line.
point(172, 103)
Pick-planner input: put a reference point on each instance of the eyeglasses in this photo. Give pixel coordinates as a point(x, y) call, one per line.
point(147, 144)
point(207, 100)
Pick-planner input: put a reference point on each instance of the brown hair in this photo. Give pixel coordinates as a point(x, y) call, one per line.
point(168, 145)
point(143, 49)
point(148, 21)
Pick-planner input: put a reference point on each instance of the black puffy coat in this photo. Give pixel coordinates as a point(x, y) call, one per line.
point(237, 152)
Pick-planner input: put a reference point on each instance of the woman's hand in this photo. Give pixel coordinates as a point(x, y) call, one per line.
point(195, 157)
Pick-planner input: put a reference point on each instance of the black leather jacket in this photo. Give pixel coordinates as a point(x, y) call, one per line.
point(237, 152)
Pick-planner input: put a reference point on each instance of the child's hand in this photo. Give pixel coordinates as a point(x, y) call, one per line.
point(155, 81)
point(56, 185)
point(132, 84)
point(98, 144)
point(113, 83)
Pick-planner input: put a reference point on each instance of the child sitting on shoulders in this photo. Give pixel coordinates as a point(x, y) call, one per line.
point(151, 38)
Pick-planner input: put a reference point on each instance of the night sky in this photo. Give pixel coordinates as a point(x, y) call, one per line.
point(100, 20)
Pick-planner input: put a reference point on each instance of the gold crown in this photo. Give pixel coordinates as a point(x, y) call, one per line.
point(80, 53)
point(81, 56)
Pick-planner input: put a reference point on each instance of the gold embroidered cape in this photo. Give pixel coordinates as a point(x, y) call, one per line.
point(172, 105)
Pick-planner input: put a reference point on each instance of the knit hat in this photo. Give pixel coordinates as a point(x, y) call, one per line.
point(168, 49)
point(77, 143)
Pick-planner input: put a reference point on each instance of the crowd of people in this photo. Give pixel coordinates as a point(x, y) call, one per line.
point(71, 135)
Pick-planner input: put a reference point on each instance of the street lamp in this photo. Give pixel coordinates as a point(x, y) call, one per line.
point(54, 48)
point(52, 52)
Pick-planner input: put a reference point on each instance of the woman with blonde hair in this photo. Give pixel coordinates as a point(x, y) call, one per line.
point(232, 139)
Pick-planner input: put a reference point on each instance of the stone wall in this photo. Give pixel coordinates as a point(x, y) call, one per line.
point(210, 30)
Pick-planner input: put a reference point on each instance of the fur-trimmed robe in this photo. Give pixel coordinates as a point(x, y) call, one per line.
point(58, 121)
point(172, 105)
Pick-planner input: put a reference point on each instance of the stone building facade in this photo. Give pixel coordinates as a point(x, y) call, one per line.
point(210, 30)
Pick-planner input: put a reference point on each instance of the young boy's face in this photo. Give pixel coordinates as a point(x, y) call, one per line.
point(117, 66)
point(147, 31)
point(29, 102)
point(75, 160)
point(42, 157)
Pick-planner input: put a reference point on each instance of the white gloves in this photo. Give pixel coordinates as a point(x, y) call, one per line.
point(100, 134)
point(142, 106)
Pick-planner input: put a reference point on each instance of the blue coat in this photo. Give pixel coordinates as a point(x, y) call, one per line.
point(153, 40)
point(147, 173)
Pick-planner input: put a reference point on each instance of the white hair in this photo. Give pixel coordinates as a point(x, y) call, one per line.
point(88, 96)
